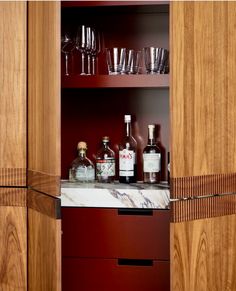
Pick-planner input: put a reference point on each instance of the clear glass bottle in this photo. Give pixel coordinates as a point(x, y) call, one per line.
point(82, 169)
point(105, 162)
point(127, 155)
point(151, 159)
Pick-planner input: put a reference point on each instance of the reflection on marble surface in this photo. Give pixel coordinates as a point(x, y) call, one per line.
point(115, 195)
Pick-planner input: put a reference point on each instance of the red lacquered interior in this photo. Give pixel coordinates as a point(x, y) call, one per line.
point(107, 275)
point(97, 110)
point(105, 233)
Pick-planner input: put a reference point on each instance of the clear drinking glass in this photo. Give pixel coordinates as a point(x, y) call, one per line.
point(133, 62)
point(67, 47)
point(95, 49)
point(80, 42)
point(116, 60)
point(88, 48)
point(150, 60)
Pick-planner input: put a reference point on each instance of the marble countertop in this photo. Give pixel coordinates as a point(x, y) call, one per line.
point(115, 195)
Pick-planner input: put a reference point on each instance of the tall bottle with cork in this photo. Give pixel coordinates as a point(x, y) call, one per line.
point(128, 155)
point(151, 159)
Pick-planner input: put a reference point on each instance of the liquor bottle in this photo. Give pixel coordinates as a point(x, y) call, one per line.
point(151, 159)
point(127, 155)
point(82, 169)
point(105, 162)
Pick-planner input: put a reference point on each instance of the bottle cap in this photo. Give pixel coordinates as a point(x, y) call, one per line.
point(105, 138)
point(151, 126)
point(127, 118)
point(82, 145)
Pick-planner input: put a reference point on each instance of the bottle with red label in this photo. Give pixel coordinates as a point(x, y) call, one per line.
point(128, 155)
point(105, 162)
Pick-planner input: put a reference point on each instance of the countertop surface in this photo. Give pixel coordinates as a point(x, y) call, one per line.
point(115, 195)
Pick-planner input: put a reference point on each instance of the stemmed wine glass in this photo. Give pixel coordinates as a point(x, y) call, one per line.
point(95, 48)
point(67, 46)
point(88, 47)
point(80, 41)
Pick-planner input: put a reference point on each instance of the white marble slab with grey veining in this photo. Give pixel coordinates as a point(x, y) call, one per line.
point(115, 195)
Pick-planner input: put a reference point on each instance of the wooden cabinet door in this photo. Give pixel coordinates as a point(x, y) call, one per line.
point(44, 224)
point(203, 145)
point(13, 239)
point(44, 242)
point(13, 17)
point(44, 96)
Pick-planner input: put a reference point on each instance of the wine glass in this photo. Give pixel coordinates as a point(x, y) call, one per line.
point(88, 46)
point(67, 46)
point(95, 48)
point(80, 41)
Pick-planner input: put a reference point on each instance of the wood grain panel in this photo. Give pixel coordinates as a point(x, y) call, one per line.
point(44, 204)
point(203, 254)
point(205, 185)
point(44, 182)
point(13, 249)
point(13, 93)
point(13, 196)
point(44, 251)
point(203, 100)
point(185, 210)
point(44, 89)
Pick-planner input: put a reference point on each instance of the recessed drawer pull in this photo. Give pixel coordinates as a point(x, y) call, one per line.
point(131, 211)
point(135, 262)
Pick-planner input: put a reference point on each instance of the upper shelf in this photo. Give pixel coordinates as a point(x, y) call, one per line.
point(111, 3)
point(120, 81)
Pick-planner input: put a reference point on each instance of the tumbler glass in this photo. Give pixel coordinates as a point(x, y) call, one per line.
point(116, 60)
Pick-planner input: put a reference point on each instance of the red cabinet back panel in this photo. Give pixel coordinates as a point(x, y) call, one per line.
point(108, 275)
point(103, 233)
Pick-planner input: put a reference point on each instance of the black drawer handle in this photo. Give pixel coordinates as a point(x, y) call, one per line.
point(132, 211)
point(135, 262)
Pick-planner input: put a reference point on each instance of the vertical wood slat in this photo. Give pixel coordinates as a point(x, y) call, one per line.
point(13, 177)
point(13, 17)
point(44, 95)
point(202, 92)
point(203, 254)
point(13, 248)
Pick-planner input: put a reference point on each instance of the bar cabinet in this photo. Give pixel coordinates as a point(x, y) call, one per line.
point(44, 113)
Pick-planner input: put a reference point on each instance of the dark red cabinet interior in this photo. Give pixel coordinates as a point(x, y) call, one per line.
point(115, 249)
point(94, 106)
point(107, 233)
point(108, 275)
point(95, 239)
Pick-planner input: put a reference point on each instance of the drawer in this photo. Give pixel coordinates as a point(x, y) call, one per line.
point(115, 233)
point(115, 275)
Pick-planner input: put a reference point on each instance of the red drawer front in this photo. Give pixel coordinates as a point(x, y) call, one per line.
point(109, 233)
point(107, 275)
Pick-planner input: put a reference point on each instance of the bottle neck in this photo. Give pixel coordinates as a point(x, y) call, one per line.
point(82, 153)
point(128, 128)
point(151, 136)
point(105, 144)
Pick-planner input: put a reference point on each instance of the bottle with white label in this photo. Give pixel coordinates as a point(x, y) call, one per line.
point(105, 162)
point(127, 155)
point(82, 168)
point(151, 159)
